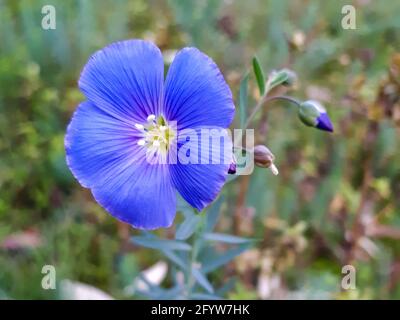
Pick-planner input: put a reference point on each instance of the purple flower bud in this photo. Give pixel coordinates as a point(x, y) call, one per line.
point(232, 168)
point(313, 114)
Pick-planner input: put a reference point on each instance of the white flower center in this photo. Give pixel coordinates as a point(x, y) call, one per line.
point(157, 135)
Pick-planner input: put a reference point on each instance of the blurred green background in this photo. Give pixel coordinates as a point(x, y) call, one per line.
point(335, 202)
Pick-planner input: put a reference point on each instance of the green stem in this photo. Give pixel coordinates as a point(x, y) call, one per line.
point(265, 100)
point(193, 254)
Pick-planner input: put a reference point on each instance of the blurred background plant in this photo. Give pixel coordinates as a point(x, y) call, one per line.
point(335, 201)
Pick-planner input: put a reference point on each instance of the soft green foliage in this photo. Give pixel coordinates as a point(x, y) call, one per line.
point(335, 202)
point(195, 258)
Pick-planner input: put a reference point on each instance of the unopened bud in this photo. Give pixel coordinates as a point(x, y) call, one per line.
point(291, 77)
point(313, 114)
point(283, 77)
point(232, 166)
point(264, 158)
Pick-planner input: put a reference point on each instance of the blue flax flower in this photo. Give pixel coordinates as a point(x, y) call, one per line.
point(131, 112)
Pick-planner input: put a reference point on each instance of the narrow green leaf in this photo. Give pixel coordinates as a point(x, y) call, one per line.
point(243, 100)
point(202, 280)
point(175, 258)
point(227, 238)
point(259, 76)
point(187, 227)
point(161, 244)
point(224, 258)
point(213, 214)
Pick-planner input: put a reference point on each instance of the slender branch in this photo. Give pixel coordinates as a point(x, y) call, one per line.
point(240, 202)
point(190, 281)
point(267, 99)
point(246, 179)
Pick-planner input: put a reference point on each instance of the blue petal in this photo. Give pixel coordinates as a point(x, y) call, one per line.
point(196, 93)
point(200, 181)
point(103, 154)
point(125, 79)
point(142, 196)
point(324, 123)
point(97, 144)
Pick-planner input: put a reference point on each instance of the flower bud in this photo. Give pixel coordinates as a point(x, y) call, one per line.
point(232, 168)
point(283, 77)
point(264, 158)
point(313, 114)
point(291, 77)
